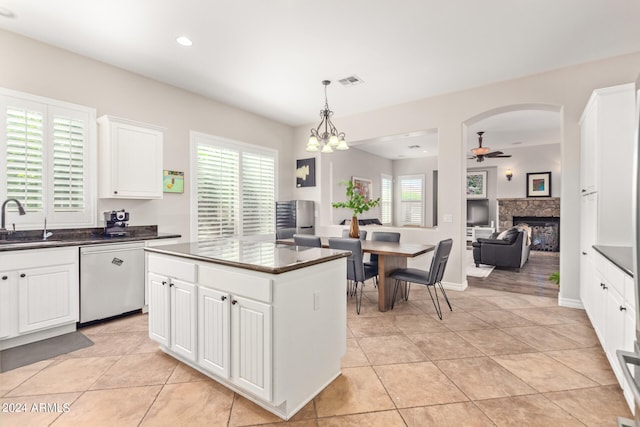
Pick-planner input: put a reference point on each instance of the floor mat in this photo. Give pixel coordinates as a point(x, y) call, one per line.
point(481, 271)
point(27, 354)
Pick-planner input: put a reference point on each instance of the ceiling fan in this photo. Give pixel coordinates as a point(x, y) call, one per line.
point(480, 152)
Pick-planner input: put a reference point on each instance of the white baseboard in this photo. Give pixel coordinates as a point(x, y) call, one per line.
point(570, 303)
point(456, 286)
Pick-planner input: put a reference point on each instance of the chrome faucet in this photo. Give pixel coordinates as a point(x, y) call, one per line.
point(46, 234)
point(3, 231)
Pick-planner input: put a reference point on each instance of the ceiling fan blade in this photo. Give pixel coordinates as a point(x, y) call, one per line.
point(502, 155)
point(494, 153)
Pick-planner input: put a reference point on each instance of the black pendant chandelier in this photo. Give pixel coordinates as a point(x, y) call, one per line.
point(326, 137)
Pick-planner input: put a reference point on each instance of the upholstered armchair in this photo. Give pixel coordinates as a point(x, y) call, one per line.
point(510, 251)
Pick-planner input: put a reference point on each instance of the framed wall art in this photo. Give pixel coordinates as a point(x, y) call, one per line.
point(539, 184)
point(306, 172)
point(172, 182)
point(363, 186)
point(477, 185)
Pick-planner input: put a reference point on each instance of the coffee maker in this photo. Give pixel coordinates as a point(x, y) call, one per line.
point(116, 223)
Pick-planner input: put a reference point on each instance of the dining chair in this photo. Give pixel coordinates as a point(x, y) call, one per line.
point(307, 240)
point(285, 233)
point(357, 272)
point(363, 234)
point(432, 277)
point(381, 236)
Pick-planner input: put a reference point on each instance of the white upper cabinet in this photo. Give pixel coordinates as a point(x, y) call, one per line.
point(130, 160)
point(606, 141)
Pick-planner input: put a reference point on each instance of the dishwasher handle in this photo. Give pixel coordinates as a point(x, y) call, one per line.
point(91, 251)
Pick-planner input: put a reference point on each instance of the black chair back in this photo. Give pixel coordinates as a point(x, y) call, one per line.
point(355, 262)
point(439, 261)
point(307, 240)
point(363, 234)
point(285, 233)
point(383, 236)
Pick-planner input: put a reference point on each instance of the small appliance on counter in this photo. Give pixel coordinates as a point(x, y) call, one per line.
point(116, 223)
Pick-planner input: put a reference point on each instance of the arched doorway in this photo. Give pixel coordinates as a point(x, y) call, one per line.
point(525, 141)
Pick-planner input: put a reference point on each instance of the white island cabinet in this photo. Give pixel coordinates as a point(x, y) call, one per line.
point(267, 321)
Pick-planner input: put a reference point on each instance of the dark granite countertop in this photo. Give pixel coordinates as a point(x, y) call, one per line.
point(621, 256)
point(267, 257)
point(22, 240)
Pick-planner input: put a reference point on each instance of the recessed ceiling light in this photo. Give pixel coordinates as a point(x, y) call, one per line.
point(184, 41)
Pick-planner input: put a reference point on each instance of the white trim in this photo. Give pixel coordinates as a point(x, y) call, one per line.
point(456, 286)
point(570, 303)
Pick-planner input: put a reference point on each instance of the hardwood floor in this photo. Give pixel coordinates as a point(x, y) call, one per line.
point(533, 278)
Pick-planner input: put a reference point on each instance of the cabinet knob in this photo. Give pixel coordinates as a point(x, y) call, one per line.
point(115, 192)
point(164, 283)
point(223, 297)
point(234, 302)
point(23, 275)
point(170, 284)
point(583, 190)
point(584, 253)
point(605, 287)
point(623, 308)
point(4, 277)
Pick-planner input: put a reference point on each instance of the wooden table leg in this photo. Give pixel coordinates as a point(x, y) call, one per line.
point(386, 265)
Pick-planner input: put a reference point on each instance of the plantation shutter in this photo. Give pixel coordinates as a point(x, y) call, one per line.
point(258, 194)
point(386, 199)
point(25, 157)
point(68, 164)
point(411, 200)
point(217, 191)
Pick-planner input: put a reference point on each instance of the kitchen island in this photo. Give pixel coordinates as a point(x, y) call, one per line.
point(267, 321)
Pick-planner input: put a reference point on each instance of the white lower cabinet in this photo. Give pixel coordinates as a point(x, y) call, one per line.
point(214, 333)
point(611, 311)
point(172, 314)
point(38, 294)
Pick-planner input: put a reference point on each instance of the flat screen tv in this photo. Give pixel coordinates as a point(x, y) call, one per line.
point(477, 212)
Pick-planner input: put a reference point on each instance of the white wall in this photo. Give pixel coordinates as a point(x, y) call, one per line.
point(44, 70)
point(568, 89)
point(523, 160)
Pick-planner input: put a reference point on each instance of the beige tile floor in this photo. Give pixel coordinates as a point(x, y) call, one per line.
point(498, 359)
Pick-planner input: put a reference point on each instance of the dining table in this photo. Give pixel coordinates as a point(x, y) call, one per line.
point(391, 256)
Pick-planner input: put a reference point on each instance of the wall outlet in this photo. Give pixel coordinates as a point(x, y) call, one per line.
point(447, 218)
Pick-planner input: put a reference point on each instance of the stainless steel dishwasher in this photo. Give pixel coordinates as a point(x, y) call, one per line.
point(111, 280)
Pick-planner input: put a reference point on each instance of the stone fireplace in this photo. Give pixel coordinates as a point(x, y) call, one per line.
point(541, 214)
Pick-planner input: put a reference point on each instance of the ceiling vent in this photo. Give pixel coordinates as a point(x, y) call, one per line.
point(351, 81)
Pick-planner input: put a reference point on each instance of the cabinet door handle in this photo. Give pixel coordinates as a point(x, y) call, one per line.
point(4, 277)
point(223, 297)
point(170, 284)
point(623, 308)
point(164, 283)
point(605, 287)
point(584, 191)
point(23, 275)
point(584, 253)
point(115, 192)
point(234, 302)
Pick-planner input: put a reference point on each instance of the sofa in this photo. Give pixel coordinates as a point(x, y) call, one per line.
point(508, 249)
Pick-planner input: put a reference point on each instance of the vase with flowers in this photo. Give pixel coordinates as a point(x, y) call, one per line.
point(358, 204)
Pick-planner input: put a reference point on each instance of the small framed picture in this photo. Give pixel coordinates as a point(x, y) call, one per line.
point(363, 186)
point(477, 185)
point(306, 172)
point(539, 184)
point(172, 182)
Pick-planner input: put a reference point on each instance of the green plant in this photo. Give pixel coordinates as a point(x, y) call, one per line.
point(555, 278)
point(355, 201)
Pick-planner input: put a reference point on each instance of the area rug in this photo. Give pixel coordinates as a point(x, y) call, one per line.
point(481, 271)
point(27, 354)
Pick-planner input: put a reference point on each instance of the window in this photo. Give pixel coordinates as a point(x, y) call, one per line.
point(47, 149)
point(233, 188)
point(411, 200)
point(386, 199)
